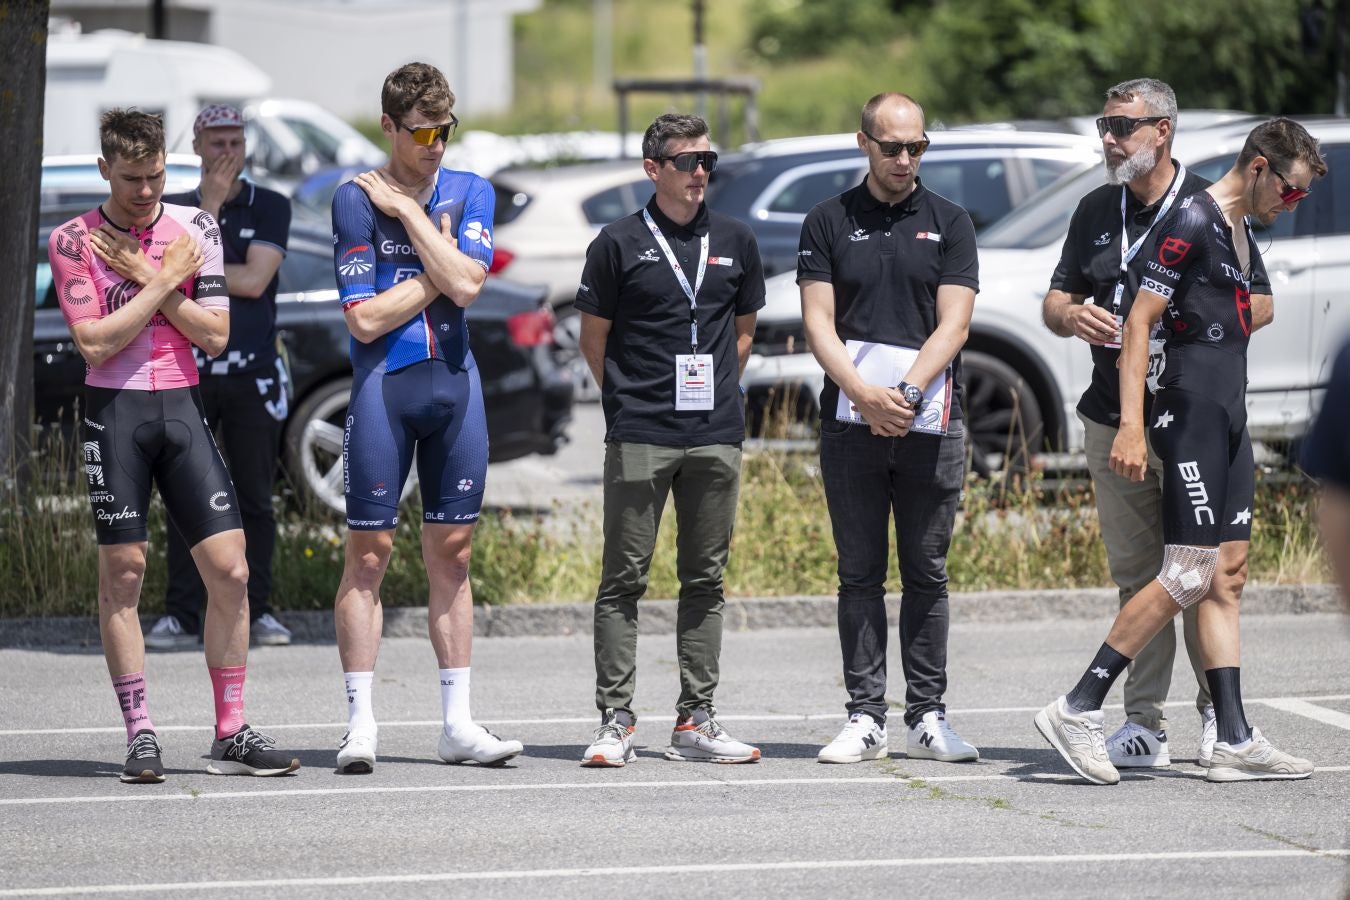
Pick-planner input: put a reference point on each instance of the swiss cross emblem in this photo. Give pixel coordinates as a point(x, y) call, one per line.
point(1172, 251)
point(1243, 299)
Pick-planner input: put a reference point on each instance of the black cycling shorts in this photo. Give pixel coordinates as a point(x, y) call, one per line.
point(134, 437)
point(1208, 470)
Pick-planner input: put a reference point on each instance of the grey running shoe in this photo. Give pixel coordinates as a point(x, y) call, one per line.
point(1079, 738)
point(1260, 761)
point(168, 634)
point(612, 747)
point(698, 738)
point(266, 631)
point(143, 760)
point(249, 752)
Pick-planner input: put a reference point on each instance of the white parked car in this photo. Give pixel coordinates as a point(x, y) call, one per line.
point(1017, 370)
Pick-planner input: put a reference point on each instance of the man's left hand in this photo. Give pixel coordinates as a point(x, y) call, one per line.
point(122, 253)
point(218, 178)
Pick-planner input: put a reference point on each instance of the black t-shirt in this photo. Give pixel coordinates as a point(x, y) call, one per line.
point(1090, 264)
point(1326, 450)
point(628, 280)
point(886, 261)
point(255, 215)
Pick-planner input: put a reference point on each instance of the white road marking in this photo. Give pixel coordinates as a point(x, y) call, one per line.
point(956, 712)
point(684, 868)
point(1304, 708)
point(901, 781)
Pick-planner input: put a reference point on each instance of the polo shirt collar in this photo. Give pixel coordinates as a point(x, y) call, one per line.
point(1134, 205)
point(698, 226)
point(867, 202)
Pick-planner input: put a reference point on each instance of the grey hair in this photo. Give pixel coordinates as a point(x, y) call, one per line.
point(671, 125)
point(1158, 96)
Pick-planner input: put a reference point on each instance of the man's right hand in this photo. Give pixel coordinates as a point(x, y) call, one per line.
point(884, 409)
point(1093, 324)
point(218, 177)
point(182, 259)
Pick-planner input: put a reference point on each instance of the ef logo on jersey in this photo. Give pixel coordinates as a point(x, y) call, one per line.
point(1172, 251)
point(1243, 299)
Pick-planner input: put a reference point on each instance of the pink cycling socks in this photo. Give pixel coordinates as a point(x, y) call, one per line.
point(131, 696)
point(227, 689)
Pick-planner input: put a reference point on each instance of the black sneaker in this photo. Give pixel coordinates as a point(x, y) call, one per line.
point(143, 763)
point(249, 752)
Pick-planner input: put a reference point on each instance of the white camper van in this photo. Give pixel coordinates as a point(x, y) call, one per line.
point(88, 74)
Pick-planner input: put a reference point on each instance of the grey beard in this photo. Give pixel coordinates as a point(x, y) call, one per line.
point(1141, 162)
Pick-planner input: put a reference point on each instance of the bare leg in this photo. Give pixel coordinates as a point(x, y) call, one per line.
point(1140, 619)
point(357, 610)
point(445, 551)
point(1220, 633)
point(224, 571)
point(121, 569)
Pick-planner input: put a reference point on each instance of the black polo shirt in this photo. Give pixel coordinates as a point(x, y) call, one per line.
point(628, 281)
point(886, 261)
point(255, 215)
point(1089, 264)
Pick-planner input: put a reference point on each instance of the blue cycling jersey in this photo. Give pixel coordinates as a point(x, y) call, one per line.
point(372, 253)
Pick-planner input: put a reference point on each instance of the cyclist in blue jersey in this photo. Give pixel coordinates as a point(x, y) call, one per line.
point(412, 247)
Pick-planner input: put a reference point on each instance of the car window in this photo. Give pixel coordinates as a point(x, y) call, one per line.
point(1337, 184)
point(1282, 227)
point(45, 295)
point(324, 145)
point(304, 269)
point(1047, 171)
point(978, 185)
point(801, 194)
point(614, 203)
point(509, 203)
point(1045, 218)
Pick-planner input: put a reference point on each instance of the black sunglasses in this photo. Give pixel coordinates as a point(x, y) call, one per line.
point(428, 135)
point(915, 149)
point(1124, 126)
point(691, 160)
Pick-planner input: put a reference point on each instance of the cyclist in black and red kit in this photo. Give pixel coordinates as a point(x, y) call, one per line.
point(1198, 282)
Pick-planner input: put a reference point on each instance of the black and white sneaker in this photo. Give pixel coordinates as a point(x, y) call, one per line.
point(143, 760)
point(249, 752)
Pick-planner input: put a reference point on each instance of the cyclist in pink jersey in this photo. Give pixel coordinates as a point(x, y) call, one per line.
point(139, 282)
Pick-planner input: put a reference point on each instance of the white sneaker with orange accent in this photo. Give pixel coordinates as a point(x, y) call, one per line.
point(698, 738)
point(612, 747)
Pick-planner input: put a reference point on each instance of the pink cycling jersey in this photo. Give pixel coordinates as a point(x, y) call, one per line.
point(160, 357)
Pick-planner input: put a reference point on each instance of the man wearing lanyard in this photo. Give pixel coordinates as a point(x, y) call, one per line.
point(243, 389)
point(1106, 254)
point(888, 275)
point(667, 303)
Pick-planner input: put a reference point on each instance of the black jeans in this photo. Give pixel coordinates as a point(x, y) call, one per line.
point(242, 411)
point(916, 480)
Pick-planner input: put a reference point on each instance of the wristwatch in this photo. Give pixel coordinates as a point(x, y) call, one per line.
point(913, 396)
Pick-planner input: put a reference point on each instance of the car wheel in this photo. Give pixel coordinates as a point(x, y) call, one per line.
point(567, 341)
point(314, 448)
point(1003, 417)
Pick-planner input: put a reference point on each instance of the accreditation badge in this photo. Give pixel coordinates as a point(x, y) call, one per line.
point(693, 382)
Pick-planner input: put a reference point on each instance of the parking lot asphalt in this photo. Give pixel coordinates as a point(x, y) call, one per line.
point(1015, 823)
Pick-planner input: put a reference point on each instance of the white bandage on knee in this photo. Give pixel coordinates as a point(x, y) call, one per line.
point(1187, 572)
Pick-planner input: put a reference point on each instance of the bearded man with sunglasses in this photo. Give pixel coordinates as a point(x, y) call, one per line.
point(412, 245)
point(1109, 250)
point(667, 301)
point(888, 274)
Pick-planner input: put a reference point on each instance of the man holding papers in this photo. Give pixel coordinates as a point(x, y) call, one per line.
point(888, 276)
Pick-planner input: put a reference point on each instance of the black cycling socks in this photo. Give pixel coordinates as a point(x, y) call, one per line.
point(1225, 686)
point(1091, 689)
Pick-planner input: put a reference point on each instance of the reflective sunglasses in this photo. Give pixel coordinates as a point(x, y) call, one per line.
point(428, 135)
point(915, 149)
point(1123, 126)
point(691, 160)
point(1290, 194)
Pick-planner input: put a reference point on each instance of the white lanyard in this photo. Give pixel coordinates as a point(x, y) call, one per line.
point(690, 292)
point(1128, 252)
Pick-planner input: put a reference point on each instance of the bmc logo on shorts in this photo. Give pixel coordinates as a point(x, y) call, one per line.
point(1195, 489)
point(1172, 251)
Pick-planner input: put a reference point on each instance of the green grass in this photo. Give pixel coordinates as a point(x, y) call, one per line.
point(1006, 537)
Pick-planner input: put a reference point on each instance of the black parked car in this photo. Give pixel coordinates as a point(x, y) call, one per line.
point(528, 397)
